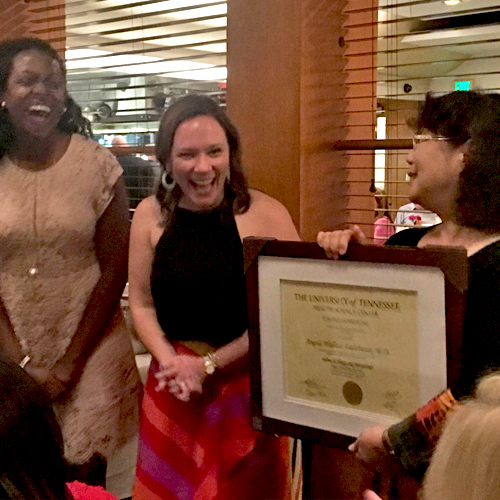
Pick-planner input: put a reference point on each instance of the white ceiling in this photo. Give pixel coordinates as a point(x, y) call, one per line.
point(434, 61)
point(88, 25)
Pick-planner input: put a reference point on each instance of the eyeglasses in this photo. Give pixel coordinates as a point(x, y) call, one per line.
point(419, 138)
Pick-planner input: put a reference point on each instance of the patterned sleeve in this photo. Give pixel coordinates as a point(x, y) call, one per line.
point(413, 440)
point(108, 172)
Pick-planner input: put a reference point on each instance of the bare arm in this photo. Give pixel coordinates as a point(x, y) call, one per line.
point(186, 374)
point(111, 239)
point(9, 345)
point(232, 352)
point(181, 374)
point(144, 226)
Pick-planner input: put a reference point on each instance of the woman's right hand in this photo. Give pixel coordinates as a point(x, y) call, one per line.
point(335, 243)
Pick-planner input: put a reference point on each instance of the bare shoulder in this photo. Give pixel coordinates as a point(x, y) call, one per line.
point(266, 217)
point(147, 219)
point(148, 210)
point(260, 200)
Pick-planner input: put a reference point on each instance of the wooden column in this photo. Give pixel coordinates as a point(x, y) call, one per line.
point(286, 95)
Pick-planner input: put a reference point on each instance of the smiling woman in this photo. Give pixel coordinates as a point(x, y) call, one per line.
point(188, 301)
point(35, 93)
point(200, 163)
point(63, 248)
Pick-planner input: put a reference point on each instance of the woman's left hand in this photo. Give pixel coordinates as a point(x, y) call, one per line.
point(183, 376)
point(369, 447)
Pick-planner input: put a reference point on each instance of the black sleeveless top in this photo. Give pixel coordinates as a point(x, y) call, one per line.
point(197, 279)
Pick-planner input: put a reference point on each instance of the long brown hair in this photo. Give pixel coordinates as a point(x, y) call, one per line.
point(186, 108)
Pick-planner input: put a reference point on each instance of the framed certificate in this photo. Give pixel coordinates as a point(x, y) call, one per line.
point(340, 345)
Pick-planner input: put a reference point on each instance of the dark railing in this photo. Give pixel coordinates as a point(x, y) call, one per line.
point(371, 144)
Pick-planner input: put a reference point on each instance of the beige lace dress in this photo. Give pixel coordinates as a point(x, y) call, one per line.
point(48, 270)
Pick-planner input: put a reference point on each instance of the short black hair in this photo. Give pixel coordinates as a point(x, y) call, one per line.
point(470, 116)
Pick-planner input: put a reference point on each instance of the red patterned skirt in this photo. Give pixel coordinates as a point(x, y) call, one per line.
point(206, 448)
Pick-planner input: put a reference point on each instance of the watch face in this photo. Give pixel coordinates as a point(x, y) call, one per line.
point(209, 367)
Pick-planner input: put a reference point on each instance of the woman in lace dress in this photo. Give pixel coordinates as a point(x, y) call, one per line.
point(63, 254)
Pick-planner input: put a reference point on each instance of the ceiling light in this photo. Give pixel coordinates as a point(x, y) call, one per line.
point(452, 2)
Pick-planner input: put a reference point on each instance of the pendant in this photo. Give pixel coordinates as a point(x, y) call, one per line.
point(33, 271)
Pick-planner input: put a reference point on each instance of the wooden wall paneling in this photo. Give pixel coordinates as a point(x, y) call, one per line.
point(48, 22)
point(34, 18)
point(323, 186)
point(361, 18)
point(286, 93)
point(15, 19)
point(263, 94)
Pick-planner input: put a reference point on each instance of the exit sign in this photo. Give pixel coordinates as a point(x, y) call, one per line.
point(462, 85)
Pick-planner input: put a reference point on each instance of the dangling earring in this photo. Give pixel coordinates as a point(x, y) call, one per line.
point(3, 105)
point(167, 181)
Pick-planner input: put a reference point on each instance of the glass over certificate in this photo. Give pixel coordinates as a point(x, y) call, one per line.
point(351, 346)
point(340, 345)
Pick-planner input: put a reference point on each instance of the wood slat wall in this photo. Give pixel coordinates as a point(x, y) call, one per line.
point(31, 17)
point(360, 56)
point(263, 94)
point(323, 172)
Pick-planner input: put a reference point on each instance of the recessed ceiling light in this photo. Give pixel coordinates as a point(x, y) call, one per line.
point(452, 2)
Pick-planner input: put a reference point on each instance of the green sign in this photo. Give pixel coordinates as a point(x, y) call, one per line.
point(462, 85)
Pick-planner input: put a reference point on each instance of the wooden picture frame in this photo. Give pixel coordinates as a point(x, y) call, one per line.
point(340, 345)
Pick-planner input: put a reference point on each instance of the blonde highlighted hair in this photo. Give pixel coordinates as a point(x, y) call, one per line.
point(466, 463)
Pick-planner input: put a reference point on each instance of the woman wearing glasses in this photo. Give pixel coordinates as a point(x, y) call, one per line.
point(454, 171)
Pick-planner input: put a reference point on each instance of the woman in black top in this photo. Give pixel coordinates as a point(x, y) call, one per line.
point(188, 301)
point(454, 171)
